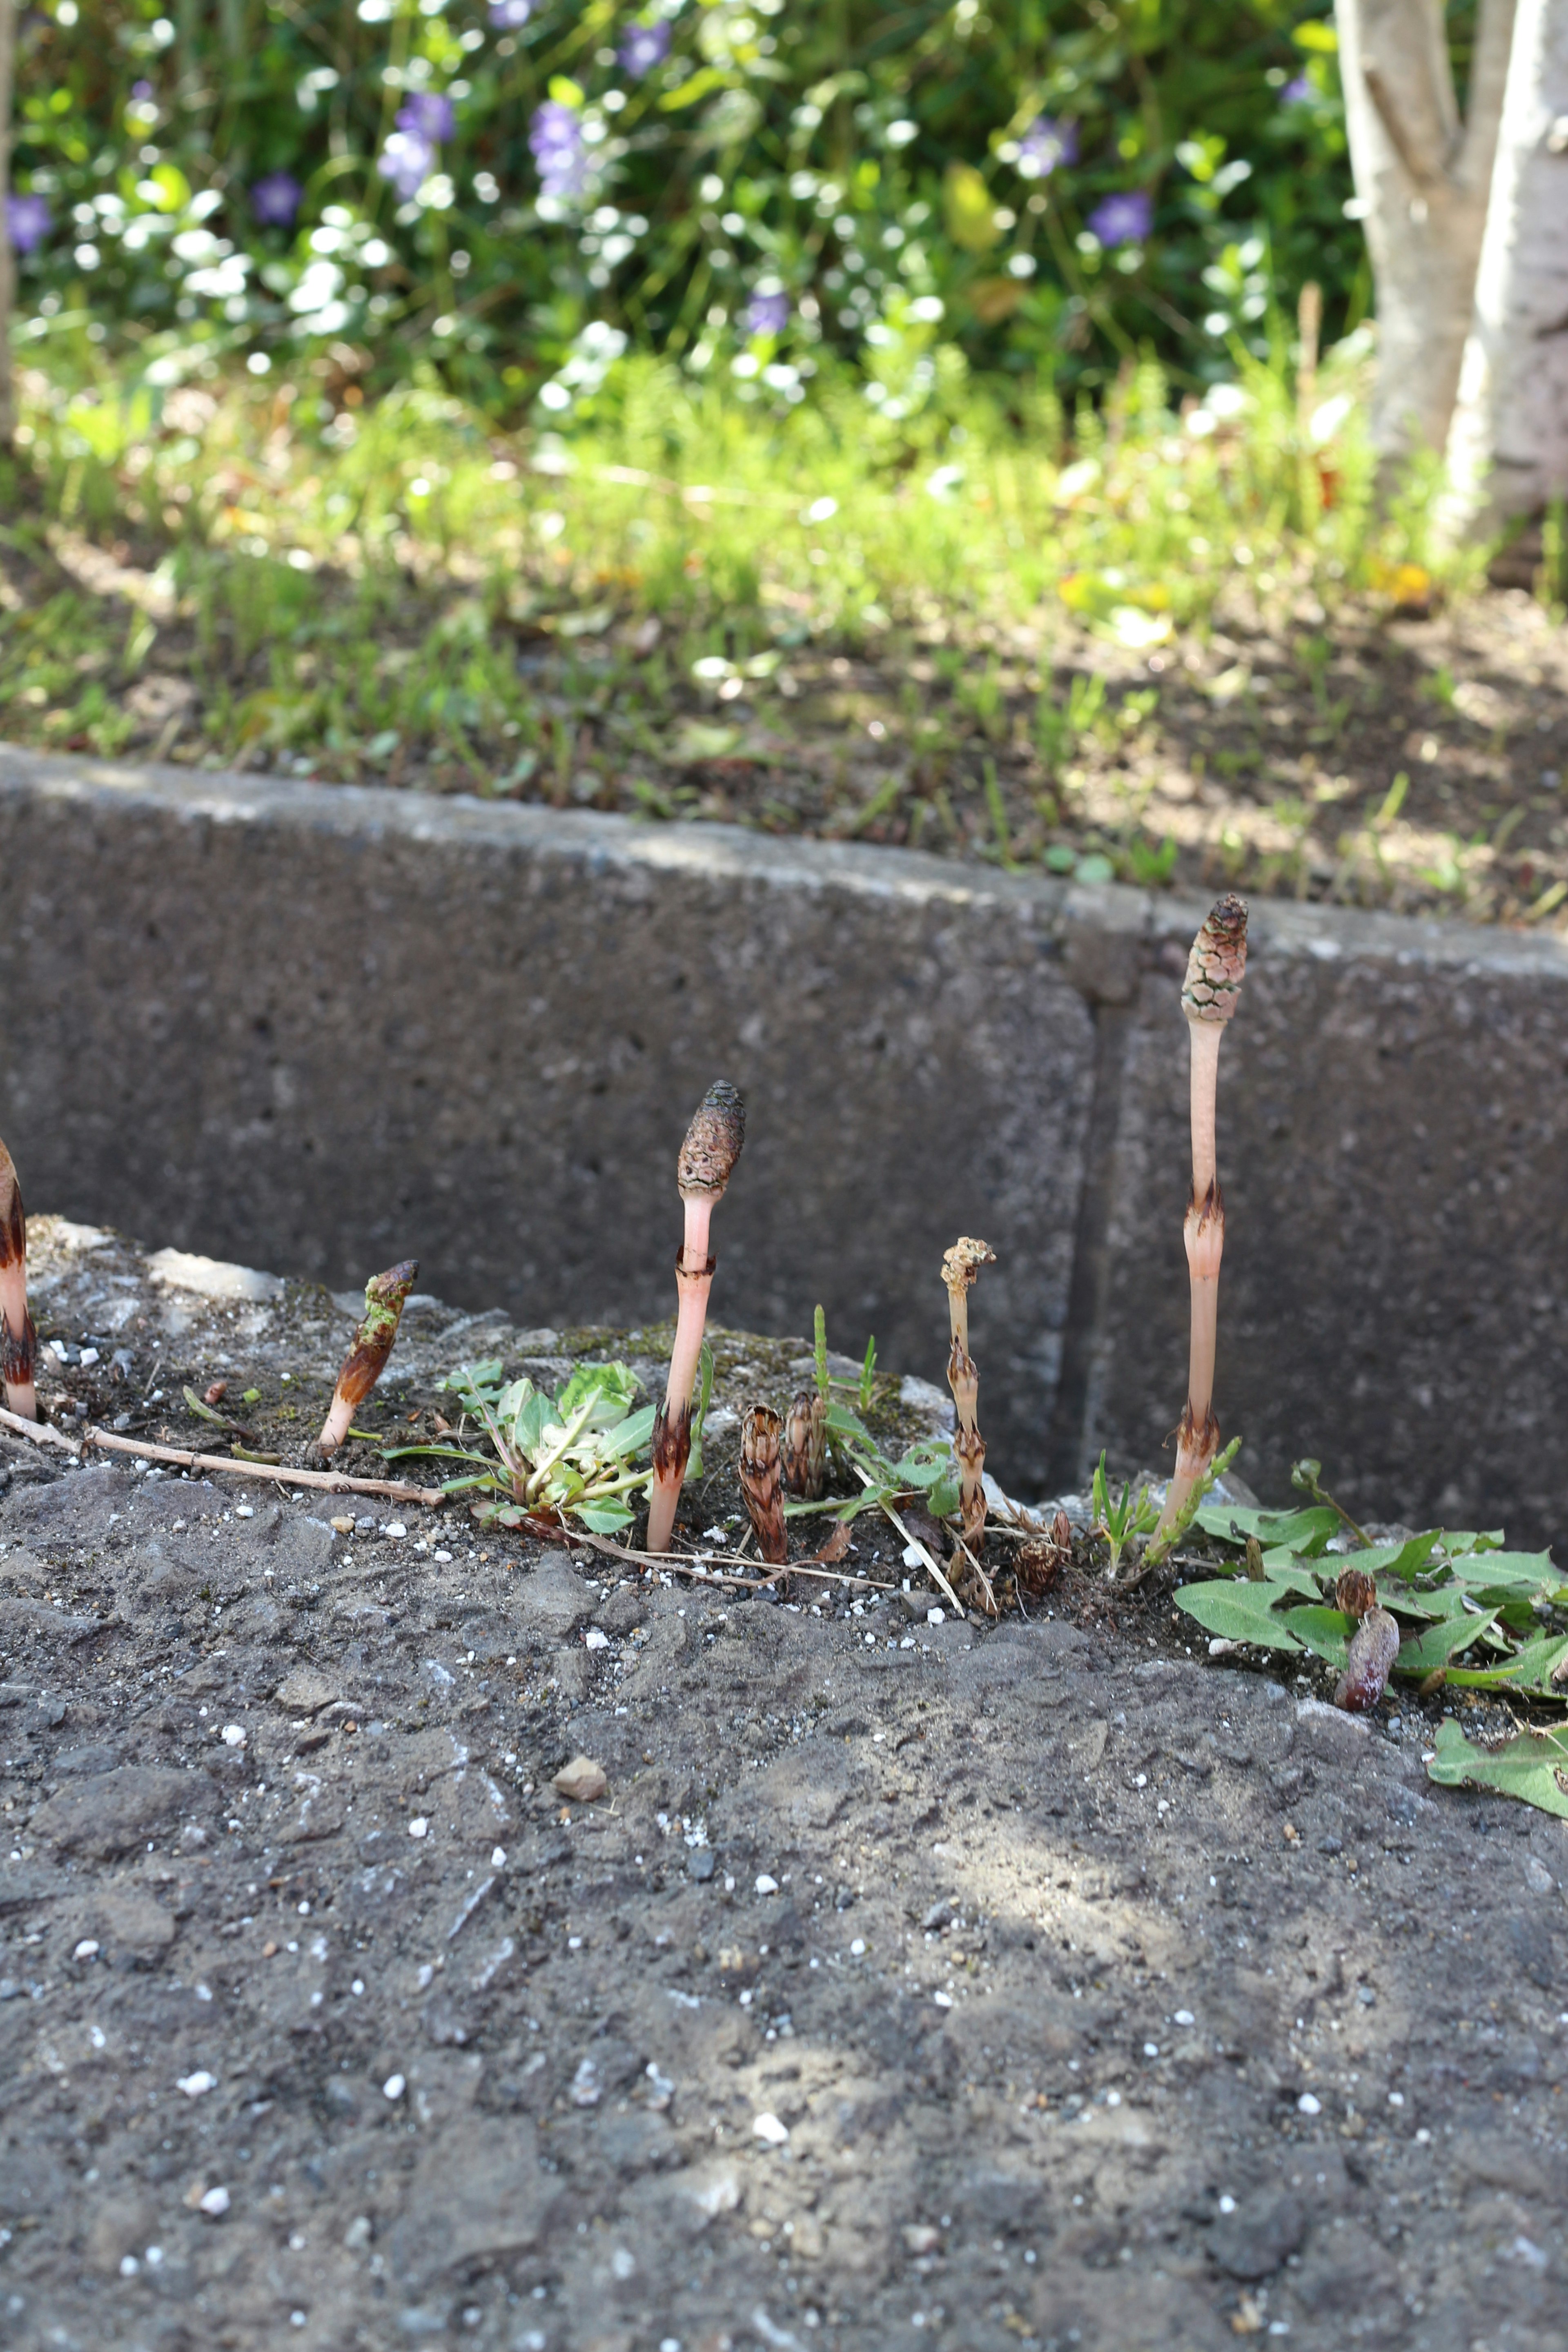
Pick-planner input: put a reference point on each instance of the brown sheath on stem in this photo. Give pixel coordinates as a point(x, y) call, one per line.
point(18, 1339)
point(803, 1448)
point(960, 1266)
point(707, 1162)
point(1216, 969)
point(761, 1480)
point(384, 1295)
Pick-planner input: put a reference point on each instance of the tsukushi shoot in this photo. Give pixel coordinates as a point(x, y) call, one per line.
point(707, 1162)
point(384, 1295)
point(18, 1339)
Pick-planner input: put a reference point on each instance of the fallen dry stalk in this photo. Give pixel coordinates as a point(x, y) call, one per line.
point(332, 1482)
point(707, 1161)
point(761, 1480)
point(384, 1295)
point(18, 1339)
point(1216, 969)
point(962, 1262)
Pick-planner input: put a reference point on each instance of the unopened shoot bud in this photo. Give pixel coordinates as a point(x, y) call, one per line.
point(960, 1266)
point(384, 1295)
point(803, 1447)
point(761, 1480)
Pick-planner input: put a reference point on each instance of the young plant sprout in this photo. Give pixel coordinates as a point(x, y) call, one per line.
point(1374, 1647)
point(707, 1161)
point(1214, 972)
point(962, 1262)
point(19, 1339)
point(372, 1344)
point(803, 1448)
point(762, 1481)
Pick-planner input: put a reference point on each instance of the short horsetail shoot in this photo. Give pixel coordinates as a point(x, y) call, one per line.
point(762, 1481)
point(960, 1266)
point(384, 1295)
point(707, 1162)
point(19, 1339)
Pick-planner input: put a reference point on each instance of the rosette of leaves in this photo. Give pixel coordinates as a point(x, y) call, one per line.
point(583, 1454)
point(1482, 1616)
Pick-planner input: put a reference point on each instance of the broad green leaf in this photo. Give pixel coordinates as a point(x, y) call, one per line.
point(1306, 1531)
point(1325, 1632)
point(1435, 1644)
point(923, 1465)
point(613, 1386)
point(1282, 1568)
point(1533, 1767)
point(943, 1499)
point(485, 1375)
point(629, 1436)
point(1532, 1668)
point(1240, 1611)
point(534, 1414)
point(1402, 1560)
point(1468, 1540)
point(842, 1423)
point(604, 1518)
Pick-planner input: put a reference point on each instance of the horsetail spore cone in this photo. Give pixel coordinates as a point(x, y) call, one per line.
point(384, 1295)
point(19, 1339)
point(960, 1266)
point(1216, 969)
point(707, 1161)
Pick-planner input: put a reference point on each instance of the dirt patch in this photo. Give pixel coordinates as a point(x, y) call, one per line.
point(1040, 1984)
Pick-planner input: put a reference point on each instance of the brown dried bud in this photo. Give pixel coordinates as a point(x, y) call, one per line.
point(1217, 963)
point(1373, 1647)
point(672, 1443)
point(761, 1480)
point(1355, 1592)
point(803, 1449)
point(13, 1218)
point(18, 1356)
point(1040, 1561)
point(713, 1142)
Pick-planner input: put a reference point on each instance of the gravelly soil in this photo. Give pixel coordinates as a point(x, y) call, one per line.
point(1098, 1995)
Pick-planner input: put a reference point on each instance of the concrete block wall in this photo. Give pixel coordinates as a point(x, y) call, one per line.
point(318, 1028)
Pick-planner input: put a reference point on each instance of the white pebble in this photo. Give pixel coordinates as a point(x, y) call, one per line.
point(128, 2266)
point(86, 1950)
point(418, 1827)
point(394, 2086)
point(595, 1639)
point(215, 2203)
point(1183, 2017)
point(445, 1558)
point(1151, 2050)
point(498, 1857)
point(243, 1511)
point(942, 2000)
point(1309, 2104)
point(194, 2086)
point(769, 2129)
point(395, 1528)
point(234, 1734)
point(766, 1885)
point(936, 1616)
point(857, 1947)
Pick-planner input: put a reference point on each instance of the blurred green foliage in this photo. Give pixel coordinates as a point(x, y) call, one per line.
point(523, 194)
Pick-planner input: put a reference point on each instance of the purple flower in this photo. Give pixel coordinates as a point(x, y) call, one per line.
point(30, 220)
point(407, 161)
point(276, 199)
point(140, 90)
point(645, 46)
point(767, 313)
point(429, 115)
point(1125, 219)
point(555, 137)
point(511, 16)
point(1299, 93)
point(1046, 144)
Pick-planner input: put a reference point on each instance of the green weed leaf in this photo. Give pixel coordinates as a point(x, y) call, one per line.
point(1533, 1767)
point(1240, 1611)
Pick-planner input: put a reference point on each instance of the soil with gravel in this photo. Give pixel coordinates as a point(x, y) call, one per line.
point(1040, 1984)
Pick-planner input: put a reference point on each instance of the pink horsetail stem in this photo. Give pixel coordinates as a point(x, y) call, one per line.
point(707, 1162)
point(19, 1339)
point(384, 1295)
point(1216, 969)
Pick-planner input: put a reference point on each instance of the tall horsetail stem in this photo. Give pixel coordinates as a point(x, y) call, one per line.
point(19, 1339)
point(707, 1162)
point(384, 1295)
point(1216, 970)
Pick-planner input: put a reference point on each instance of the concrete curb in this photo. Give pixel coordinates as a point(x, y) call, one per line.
point(318, 1027)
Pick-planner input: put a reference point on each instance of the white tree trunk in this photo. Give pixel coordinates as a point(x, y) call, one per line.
point(1421, 179)
point(1507, 446)
point(7, 265)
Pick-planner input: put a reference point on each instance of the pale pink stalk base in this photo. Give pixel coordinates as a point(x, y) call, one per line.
point(1197, 1438)
point(21, 1396)
point(684, 1359)
point(335, 1428)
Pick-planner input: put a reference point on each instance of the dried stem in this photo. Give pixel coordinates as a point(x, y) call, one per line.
point(1214, 972)
point(332, 1481)
point(761, 1480)
point(962, 1262)
point(707, 1160)
point(18, 1339)
point(368, 1351)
